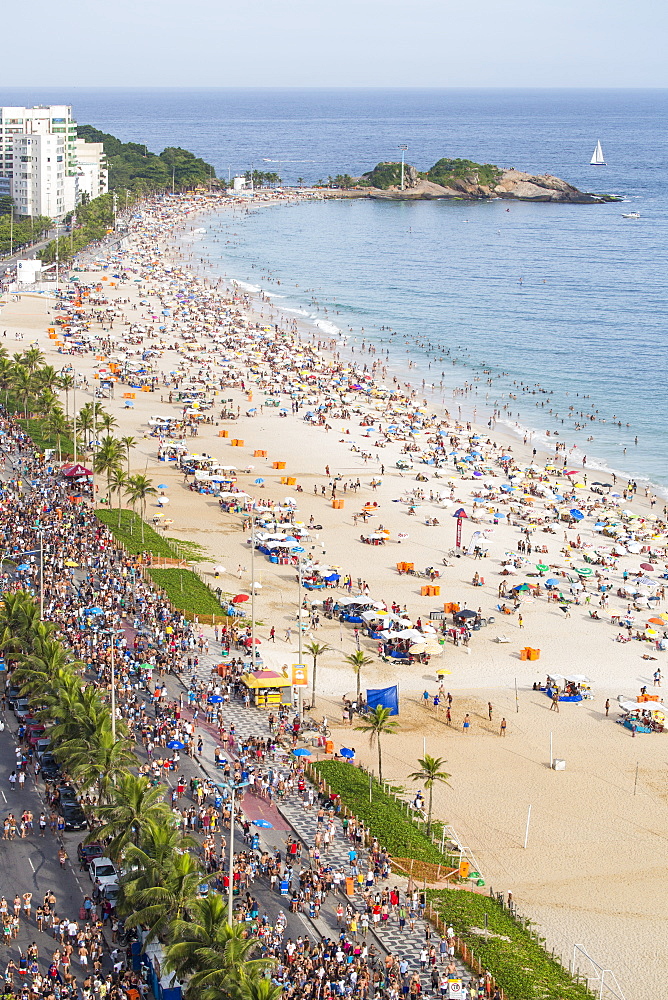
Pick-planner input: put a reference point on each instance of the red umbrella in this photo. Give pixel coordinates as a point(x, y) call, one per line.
point(247, 641)
point(240, 598)
point(647, 566)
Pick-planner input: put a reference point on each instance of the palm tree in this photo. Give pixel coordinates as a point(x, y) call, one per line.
point(107, 422)
point(6, 376)
point(57, 425)
point(300, 181)
point(128, 443)
point(65, 383)
point(135, 803)
point(32, 359)
point(139, 489)
point(171, 897)
point(429, 774)
point(118, 482)
point(357, 661)
point(99, 761)
point(22, 384)
point(214, 954)
point(108, 459)
point(376, 725)
point(315, 649)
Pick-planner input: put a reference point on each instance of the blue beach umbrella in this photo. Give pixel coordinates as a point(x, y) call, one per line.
point(552, 582)
point(345, 752)
point(263, 823)
point(176, 745)
point(577, 514)
point(302, 752)
point(23, 566)
point(259, 482)
point(163, 486)
point(214, 699)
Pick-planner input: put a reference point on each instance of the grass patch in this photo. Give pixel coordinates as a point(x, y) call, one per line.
point(187, 592)
point(383, 815)
point(191, 551)
point(520, 965)
point(130, 533)
point(42, 438)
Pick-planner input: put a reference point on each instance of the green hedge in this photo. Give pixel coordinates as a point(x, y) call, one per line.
point(513, 955)
point(130, 534)
point(43, 438)
point(186, 591)
point(383, 815)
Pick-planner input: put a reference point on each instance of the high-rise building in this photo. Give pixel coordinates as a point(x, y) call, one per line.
point(38, 147)
point(92, 169)
point(38, 184)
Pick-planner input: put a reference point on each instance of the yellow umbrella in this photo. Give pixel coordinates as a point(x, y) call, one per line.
point(71, 563)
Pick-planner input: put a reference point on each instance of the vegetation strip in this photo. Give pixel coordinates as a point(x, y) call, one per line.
point(383, 816)
point(129, 533)
point(510, 951)
point(187, 592)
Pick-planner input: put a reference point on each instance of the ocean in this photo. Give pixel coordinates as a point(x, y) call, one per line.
point(541, 308)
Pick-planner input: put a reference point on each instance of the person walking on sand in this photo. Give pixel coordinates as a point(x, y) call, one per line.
point(502, 729)
point(466, 724)
point(607, 706)
point(554, 707)
point(520, 621)
point(489, 710)
point(657, 678)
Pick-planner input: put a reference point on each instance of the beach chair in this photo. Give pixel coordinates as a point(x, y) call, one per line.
point(502, 638)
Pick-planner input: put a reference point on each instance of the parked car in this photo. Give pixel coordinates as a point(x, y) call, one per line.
point(88, 852)
point(42, 746)
point(66, 792)
point(111, 892)
point(22, 708)
point(35, 732)
point(49, 766)
point(102, 870)
point(13, 694)
point(73, 815)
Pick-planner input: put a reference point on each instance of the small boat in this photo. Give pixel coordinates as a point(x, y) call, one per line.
point(630, 215)
point(598, 160)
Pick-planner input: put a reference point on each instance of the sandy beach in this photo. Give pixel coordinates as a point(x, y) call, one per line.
point(595, 855)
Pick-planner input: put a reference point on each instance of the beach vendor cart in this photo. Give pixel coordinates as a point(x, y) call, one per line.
point(268, 687)
point(574, 687)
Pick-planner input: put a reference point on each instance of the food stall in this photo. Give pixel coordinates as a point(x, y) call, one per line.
point(268, 687)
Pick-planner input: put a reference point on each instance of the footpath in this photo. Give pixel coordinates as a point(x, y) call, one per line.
point(289, 816)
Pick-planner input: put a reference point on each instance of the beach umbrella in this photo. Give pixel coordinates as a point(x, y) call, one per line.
point(163, 500)
point(577, 514)
point(542, 568)
point(301, 752)
point(552, 582)
point(346, 752)
point(23, 566)
point(240, 598)
point(71, 563)
point(163, 486)
point(176, 745)
point(219, 569)
point(259, 482)
point(647, 566)
point(466, 613)
point(215, 699)
point(264, 824)
point(585, 571)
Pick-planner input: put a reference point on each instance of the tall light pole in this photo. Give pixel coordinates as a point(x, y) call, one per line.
point(403, 147)
point(252, 513)
point(234, 786)
point(39, 528)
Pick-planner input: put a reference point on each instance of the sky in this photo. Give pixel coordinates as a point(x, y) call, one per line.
point(354, 43)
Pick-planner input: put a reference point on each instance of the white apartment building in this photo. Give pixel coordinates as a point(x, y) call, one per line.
point(38, 177)
point(38, 158)
point(93, 177)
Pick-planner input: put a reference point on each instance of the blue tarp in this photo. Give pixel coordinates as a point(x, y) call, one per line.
point(387, 697)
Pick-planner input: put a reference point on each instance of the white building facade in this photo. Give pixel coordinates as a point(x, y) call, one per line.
point(93, 177)
point(40, 160)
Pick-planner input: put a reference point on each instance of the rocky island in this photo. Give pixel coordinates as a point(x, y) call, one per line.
point(465, 180)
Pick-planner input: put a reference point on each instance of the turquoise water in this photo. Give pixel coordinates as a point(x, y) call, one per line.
point(568, 299)
point(571, 297)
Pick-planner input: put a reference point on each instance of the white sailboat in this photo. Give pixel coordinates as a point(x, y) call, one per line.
point(598, 160)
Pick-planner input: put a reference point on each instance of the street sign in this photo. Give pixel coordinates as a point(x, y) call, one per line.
point(299, 675)
point(455, 989)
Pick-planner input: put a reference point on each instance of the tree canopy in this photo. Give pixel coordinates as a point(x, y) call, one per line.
point(133, 167)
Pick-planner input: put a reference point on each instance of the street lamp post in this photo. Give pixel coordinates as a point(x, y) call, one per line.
point(403, 147)
point(39, 528)
point(234, 786)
